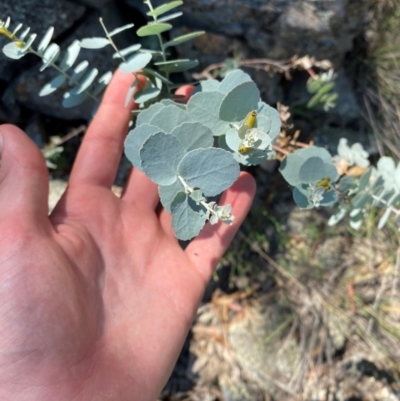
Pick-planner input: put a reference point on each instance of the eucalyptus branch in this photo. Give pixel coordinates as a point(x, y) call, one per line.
point(111, 40)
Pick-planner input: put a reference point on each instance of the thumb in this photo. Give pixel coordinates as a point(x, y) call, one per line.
point(23, 177)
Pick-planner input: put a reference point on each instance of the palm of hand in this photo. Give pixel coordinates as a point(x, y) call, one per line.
point(95, 301)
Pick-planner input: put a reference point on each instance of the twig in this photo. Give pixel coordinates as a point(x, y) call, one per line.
point(395, 276)
point(66, 138)
point(283, 66)
point(279, 149)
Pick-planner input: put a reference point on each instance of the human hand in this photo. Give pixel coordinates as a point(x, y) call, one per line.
point(97, 298)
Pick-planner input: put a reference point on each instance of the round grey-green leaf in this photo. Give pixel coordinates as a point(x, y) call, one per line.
point(169, 117)
point(233, 79)
point(134, 141)
point(146, 115)
point(45, 40)
point(164, 8)
point(212, 170)
point(160, 156)
point(11, 50)
point(240, 101)
point(153, 28)
point(312, 170)
point(136, 62)
point(185, 221)
point(70, 56)
point(193, 135)
point(168, 192)
point(203, 107)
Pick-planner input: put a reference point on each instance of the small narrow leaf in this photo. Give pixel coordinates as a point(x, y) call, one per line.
point(146, 94)
point(24, 33)
point(79, 70)
point(160, 155)
point(29, 42)
point(170, 17)
point(71, 99)
point(127, 50)
point(50, 56)
point(103, 81)
point(129, 94)
point(164, 8)
point(70, 56)
point(87, 80)
point(53, 85)
point(116, 31)
point(183, 38)
point(153, 29)
point(45, 40)
point(177, 65)
point(94, 43)
point(135, 62)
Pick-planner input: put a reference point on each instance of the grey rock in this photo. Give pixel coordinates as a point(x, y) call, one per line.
point(24, 90)
point(278, 29)
point(39, 15)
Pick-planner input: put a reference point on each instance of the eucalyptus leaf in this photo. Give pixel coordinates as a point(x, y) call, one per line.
point(94, 43)
point(209, 85)
point(71, 99)
point(79, 71)
point(71, 55)
point(127, 50)
point(240, 101)
point(45, 40)
point(129, 94)
point(301, 199)
point(146, 94)
point(183, 38)
point(271, 114)
point(177, 65)
point(153, 28)
point(136, 62)
point(11, 50)
point(233, 79)
point(168, 192)
point(135, 140)
point(50, 56)
point(193, 135)
point(212, 170)
point(87, 80)
point(116, 31)
point(160, 156)
point(102, 82)
point(164, 8)
point(312, 170)
point(185, 221)
point(170, 17)
point(169, 117)
point(203, 107)
point(146, 115)
point(53, 85)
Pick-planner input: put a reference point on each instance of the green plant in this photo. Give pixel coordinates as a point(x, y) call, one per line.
point(192, 151)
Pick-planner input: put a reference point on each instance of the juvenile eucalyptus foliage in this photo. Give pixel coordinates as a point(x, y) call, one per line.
point(192, 151)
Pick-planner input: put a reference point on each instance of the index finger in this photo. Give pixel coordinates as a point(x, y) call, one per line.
point(100, 153)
